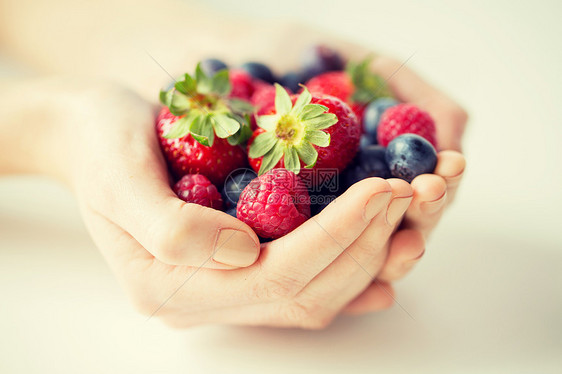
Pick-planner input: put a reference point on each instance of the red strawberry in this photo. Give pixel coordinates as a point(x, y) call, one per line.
point(359, 109)
point(263, 100)
point(404, 119)
point(242, 84)
point(357, 86)
point(187, 156)
point(334, 83)
point(194, 126)
point(263, 97)
point(274, 204)
point(197, 189)
point(307, 131)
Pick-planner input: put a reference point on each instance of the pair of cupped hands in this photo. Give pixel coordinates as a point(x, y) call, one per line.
point(188, 264)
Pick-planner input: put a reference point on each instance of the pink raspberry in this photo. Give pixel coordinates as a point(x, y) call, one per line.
point(406, 119)
point(274, 204)
point(197, 189)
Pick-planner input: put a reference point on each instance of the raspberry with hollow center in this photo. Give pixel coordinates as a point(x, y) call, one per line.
point(406, 119)
point(274, 204)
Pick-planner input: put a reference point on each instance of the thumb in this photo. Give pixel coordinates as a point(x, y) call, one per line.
point(175, 232)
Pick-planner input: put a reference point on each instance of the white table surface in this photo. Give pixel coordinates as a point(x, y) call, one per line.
point(485, 298)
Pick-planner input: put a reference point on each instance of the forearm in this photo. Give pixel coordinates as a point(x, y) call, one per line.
point(37, 119)
point(26, 124)
point(112, 39)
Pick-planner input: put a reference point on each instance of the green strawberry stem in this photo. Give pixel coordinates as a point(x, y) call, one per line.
point(368, 86)
point(292, 132)
point(205, 110)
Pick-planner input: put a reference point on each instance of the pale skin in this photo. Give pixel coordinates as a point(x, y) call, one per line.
point(98, 138)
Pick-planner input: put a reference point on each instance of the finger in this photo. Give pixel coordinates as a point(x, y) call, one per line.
point(407, 86)
point(152, 286)
point(358, 266)
point(378, 296)
point(450, 167)
point(124, 255)
point(430, 196)
point(308, 250)
point(136, 196)
point(406, 249)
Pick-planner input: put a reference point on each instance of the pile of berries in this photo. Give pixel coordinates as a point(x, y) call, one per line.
point(276, 147)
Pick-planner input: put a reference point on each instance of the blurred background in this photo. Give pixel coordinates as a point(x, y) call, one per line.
point(485, 298)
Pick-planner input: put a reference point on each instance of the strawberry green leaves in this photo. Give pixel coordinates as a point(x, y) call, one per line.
point(368, 86)
point(224, 125)
point(242, 135)
point(283, 102)
point(205, 110)
point(262, 144)
point(319, 138)
point(187, 86)
point(271, 158)
point(292, 161)
point(177, 103)
point(308, 154)
point(218, 84)
point(182, 126)
point(240, 106)
point(202, 130)
point(292, 132)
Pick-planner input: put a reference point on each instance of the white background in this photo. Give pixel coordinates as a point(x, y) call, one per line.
point(485, 298)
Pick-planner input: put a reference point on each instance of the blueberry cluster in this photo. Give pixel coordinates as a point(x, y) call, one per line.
point(315, 60)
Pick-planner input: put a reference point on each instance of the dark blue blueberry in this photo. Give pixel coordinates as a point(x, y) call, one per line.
point(235, 184)
point(259, 71)
point(319, 59)
point(321, 199)
point(373, 114)
point(232, 211)
point(327, 188)
point(264, 240)
point(292, 80)
point(320, 204)
point(212, 65)
point(369, 162)
point(410, 155)
point(366, 141)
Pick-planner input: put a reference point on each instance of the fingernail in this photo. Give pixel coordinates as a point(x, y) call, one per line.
point(396, 208)
point(375, 204)
point(235, 248)
point(430, 207)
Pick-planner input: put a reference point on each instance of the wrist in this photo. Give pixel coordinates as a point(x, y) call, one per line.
point(27, 123)
point(40, 123)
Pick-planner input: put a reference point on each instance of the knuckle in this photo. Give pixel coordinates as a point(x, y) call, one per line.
point(279, 287)
point(370, 255)
point(295, 313)
point(306, 316)
point(165, 246)
point(170, 233)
